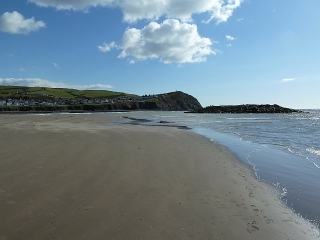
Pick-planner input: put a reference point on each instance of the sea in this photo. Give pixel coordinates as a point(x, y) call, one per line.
point(281, 149)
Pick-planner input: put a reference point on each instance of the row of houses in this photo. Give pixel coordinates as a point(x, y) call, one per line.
point(66, 101)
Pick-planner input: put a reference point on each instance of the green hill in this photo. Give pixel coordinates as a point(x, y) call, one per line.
point(35, 99)
point(17, 92)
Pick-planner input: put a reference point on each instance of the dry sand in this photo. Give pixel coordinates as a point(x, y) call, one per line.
point(76, 177)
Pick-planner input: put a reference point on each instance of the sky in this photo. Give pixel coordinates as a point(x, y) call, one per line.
point(220, 51)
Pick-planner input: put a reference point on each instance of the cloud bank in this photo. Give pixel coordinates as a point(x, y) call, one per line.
point(170, 41)
point(220, 10)
point(37, 82)
point(15, 23)
point(72, 4)
point(178, 9)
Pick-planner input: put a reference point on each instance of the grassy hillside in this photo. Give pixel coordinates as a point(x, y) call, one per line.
point(57, 99)
point(16, 92)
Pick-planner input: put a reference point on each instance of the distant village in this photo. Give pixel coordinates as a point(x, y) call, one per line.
point(46, 100)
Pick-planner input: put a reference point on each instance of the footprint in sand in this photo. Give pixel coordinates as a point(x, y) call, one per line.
point(252, 227)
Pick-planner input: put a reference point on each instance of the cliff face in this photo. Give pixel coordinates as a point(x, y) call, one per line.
point(177, 101)
point(174, 101)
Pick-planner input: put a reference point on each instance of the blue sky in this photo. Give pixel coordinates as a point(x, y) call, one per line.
point(221, 52)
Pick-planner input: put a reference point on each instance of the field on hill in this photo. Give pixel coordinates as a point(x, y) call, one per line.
point(17, 92)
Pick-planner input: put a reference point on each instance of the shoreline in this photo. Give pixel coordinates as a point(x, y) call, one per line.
point(59, 112)
point(77, 177)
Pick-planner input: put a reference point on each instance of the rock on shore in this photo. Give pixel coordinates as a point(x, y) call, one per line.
point(247, 108)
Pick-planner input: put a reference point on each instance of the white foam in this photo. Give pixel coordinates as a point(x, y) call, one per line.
point(313, 151)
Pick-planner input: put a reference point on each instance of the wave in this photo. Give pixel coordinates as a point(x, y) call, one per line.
point(310, 159)
point(248, 118)
point(42, 114)
point(313, 151)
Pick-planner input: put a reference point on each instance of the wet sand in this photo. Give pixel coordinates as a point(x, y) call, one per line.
point(77, 177)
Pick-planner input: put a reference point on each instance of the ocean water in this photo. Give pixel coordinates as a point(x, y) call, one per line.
point(282, 149)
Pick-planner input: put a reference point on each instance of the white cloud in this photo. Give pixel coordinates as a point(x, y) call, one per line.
point(229, 45)
point(37, 82)
point(72, 4)
point(94, 87)
point(240, 19)
point(171, 41)
point(132, 61)
point(219, 10)
point(229, 38)
point(288, 79)
point(15, 23)
point(56, 65)
point(107, 47)
point(22, 69)
point(143, 9)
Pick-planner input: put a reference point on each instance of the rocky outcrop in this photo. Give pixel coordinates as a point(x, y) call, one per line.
point(177, 101)
point(174, 101)
point(248, 108)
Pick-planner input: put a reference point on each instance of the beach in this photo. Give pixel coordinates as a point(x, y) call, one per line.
point(84, 177)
